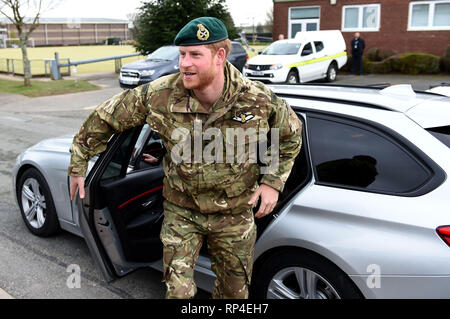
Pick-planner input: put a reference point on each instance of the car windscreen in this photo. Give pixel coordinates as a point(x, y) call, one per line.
point(441, 133)
point(283, 48)
point(237, 48)
point(168, 53)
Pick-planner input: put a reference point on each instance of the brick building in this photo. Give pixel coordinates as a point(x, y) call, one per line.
point(67, 31)
point(399, 25)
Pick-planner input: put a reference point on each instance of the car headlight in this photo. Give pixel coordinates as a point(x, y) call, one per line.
point(276, 66)
point(176, 67)
point(147, 72)
point(246, 65)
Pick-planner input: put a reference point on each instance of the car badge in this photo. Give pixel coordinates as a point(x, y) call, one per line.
point(202, 33)
point(258, 68)
point(243, 118)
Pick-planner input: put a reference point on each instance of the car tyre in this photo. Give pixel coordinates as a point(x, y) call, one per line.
point(292, 78)
point(36, 204)
point(293, 274)
point(332, 72)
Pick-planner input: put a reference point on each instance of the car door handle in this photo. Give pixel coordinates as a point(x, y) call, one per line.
point(147, 203)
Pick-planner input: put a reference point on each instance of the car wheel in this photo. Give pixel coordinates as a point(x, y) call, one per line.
point(36, 204)
point(332, 72)
point(295, 274)
point(292, 78)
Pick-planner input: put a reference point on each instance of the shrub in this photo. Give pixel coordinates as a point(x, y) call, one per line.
point(373, 54)
point(376, 55)
point(444, 64)
point(415, 63)
point(384, 54)
point(447, 52)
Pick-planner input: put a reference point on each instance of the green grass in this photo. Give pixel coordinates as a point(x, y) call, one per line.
point(257, 47)
point(46, 88)
point(74, 53)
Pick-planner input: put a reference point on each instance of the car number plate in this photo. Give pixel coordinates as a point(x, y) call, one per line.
point(128, 81)
point(258, 73)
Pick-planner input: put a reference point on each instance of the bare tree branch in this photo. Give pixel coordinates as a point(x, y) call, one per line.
point(25, 26)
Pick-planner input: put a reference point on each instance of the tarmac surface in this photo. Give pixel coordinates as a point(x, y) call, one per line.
point(32, 267)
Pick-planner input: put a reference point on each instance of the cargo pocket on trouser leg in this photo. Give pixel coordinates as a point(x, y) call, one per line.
point(181, 245)
point(232, 259)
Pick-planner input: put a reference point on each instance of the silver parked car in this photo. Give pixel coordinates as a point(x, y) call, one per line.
point(365, 211)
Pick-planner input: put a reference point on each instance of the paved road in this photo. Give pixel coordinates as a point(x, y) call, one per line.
point(32, 267)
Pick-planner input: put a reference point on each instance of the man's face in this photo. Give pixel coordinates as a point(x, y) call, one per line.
point(357, 35)
point(197, 66)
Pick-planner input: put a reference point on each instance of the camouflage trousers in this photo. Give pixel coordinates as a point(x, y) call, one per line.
point(230, 239)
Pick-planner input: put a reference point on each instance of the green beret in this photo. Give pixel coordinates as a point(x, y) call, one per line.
point(204, 30)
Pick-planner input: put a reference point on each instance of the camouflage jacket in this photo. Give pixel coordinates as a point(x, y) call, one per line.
point(169, 108)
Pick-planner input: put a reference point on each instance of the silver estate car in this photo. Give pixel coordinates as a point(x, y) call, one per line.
point(365, 212)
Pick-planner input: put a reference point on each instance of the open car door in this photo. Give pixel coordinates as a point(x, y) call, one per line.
point(122, 212)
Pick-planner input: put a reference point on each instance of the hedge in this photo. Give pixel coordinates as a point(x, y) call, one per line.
point(408, 63)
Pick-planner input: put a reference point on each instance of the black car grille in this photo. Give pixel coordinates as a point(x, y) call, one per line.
point(257, 67)
point(130, 74)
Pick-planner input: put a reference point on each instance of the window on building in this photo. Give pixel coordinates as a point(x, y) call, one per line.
point(429, 15)
point(303, 19)
point(361, 17)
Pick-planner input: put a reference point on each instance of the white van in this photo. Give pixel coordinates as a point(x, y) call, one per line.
point(309, 56)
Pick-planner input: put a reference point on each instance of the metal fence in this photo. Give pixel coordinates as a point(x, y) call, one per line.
point(57, 67)
point(38, 67)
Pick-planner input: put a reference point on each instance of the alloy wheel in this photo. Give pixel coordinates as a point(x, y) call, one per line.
point(300, 283)
point(33, 203)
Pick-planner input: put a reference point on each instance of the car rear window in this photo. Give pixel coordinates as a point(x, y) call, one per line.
point(441, 133)
point(348, 154)
point(236, 48)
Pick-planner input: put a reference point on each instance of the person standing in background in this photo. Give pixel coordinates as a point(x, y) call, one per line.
point(358, 45)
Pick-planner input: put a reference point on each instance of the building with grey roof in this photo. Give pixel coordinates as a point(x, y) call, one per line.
point(73, 31)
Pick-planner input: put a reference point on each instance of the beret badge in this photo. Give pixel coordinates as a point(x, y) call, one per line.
point(202, 33)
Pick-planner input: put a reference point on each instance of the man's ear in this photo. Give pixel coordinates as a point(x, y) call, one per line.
point(221, 55)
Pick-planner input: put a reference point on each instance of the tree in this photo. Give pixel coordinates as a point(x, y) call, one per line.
point(269, 20)
point(15, 11)
point(158, 21)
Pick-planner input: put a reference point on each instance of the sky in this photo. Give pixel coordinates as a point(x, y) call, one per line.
point(244, 12)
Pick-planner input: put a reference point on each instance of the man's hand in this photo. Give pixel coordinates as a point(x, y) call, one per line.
point(269, 198)
point(149, 159)
point(76, 182)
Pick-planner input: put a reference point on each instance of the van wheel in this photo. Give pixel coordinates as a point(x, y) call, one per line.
point(292, 78)
point(332, 72)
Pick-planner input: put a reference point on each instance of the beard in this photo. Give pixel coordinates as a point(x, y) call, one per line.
point(200, 80)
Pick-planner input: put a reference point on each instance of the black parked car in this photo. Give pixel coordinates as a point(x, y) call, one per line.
point(164, 61)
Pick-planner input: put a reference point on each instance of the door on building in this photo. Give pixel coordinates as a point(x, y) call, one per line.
point(303, 25)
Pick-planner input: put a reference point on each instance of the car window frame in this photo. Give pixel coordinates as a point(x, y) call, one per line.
point(436, 174)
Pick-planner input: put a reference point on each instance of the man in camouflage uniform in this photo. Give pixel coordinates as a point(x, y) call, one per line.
point(203, 199)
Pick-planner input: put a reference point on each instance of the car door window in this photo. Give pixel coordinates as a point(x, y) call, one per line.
point(307, 49)
point(149, 143)
point(353, 155)
point(318, 45)
point(114, 168)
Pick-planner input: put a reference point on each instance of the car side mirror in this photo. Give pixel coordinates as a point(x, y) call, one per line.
point(259, 52)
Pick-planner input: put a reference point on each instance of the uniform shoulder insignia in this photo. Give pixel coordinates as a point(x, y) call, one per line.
point(243, 117)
